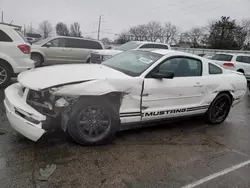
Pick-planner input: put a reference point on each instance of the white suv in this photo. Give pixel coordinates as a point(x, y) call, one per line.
point(236, 62)
point(14, 53)
point(98, 56)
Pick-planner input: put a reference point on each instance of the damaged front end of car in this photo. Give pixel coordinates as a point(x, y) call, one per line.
point(55, 108)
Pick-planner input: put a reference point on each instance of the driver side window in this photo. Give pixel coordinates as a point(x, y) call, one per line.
point(59, 42)
point(181, 67)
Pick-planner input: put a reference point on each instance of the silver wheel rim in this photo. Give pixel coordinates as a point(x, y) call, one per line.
point(3, 75)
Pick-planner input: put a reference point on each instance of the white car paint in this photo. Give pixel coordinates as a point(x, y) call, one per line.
point(97, 56)
point(10, 53)
point(237, 65)
point(143, 99)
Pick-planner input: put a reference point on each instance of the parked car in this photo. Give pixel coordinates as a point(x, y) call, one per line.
point(93, 101)
point(236, 62)
point(14, 53)
point(207, 55)
point(61, 50)
point(98, 56)
point(32, 40)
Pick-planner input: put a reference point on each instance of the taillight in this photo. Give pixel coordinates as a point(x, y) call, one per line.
point(228, 64)
point(24, 48)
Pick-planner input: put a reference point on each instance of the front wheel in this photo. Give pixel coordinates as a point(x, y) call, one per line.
point(92, 122)
point(5, 75)
point(219, 109)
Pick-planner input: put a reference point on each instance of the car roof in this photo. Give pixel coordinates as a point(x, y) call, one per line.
point(241, 54)
point(75, 38)
point(7, 27)
point(148, 42)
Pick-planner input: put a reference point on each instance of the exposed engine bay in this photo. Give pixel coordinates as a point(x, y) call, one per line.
point(55, 108)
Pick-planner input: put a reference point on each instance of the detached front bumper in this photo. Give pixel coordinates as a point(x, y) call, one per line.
point(22, 117)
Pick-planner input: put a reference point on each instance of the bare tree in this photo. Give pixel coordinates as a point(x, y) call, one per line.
point(154, 30)
point(246, 26)
point(139, 32)
point(75, 30)
point(195, 36)
point(62, 29)
point(169, 33)
point(45, 28)
point(105, 40)
point(123, 38)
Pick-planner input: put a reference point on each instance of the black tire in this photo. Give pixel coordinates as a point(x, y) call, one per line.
point(37, 58)
point(81, 133)
point(5, 70)
point(220, 106)
point(88, 61)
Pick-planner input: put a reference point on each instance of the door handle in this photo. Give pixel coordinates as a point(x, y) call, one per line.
point(198, 85)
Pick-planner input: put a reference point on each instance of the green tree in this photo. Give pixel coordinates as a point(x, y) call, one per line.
point(226, 34)
point(62, 29)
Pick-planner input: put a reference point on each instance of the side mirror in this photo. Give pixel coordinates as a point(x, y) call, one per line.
point(161, 75)
point(48, 45)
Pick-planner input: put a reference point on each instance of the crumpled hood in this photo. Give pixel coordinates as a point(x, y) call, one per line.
point(107, 52)
point(56, 75)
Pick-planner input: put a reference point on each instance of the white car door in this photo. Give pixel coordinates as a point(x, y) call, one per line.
point(56, 51)
point(180, 96)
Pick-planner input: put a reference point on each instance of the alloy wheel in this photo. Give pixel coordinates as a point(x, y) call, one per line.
point(3, 75)
point(221, 109)
point(93, 122)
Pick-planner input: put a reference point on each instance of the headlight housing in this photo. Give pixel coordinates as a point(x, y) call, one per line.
point(105, 57)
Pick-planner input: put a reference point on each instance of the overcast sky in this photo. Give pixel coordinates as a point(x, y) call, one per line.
point(119, 15)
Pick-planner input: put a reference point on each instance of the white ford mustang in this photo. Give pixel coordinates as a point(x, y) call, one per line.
point(93, 101)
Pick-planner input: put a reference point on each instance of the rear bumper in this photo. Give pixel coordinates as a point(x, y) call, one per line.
point(23, 118)
point(22, 64)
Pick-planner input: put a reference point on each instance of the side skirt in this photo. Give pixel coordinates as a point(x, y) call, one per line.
point(151, 123)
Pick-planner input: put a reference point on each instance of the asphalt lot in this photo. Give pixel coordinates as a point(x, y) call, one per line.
point(169, 155)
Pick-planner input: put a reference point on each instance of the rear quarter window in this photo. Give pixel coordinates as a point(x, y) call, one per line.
point(222, 57)
point(213, 69)
point(4, 37)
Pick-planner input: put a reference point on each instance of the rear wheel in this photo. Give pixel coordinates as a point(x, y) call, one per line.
point(37, 58)
point(5, 75)
point(219, 109)
point(92, 122)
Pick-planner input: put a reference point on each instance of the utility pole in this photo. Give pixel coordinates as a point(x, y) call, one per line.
point(2, 16)
point(31, 29)
point(99, 27)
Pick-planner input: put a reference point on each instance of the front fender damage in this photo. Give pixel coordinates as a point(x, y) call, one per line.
point(60, 101)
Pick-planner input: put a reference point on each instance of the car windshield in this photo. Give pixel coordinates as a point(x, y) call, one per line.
point(132, 62)
point(222, 57)
point(128, 46)
point(43, 41)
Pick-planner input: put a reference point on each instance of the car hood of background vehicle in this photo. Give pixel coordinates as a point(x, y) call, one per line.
point(107, 52)
point(56, 75)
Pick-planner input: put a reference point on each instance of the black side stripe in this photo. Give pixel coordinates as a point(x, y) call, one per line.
point(130, 114)
point(197, 108)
